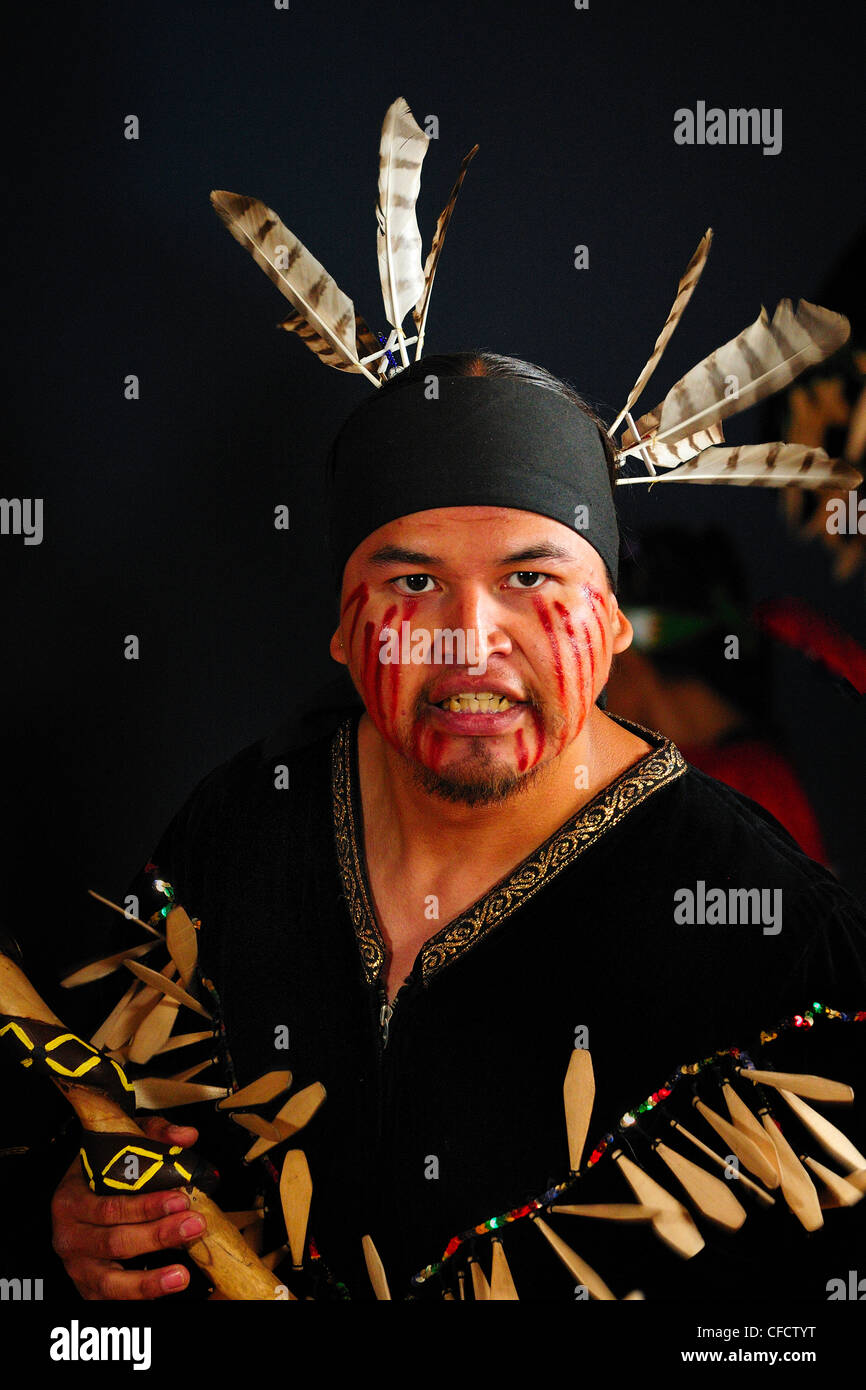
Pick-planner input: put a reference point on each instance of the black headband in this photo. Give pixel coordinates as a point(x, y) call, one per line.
point(470, 442)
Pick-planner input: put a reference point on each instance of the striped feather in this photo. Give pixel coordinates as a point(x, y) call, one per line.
point(419, 313)
point(365, 342)
point(759, 361)
point(685, 289)
point(760, 465)
point(680, 451)
point(398, 241)
point(314, 294)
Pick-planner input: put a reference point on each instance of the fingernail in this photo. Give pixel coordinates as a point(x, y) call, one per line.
point(193, 1227)
point(176, 1203)
point(174, 1280)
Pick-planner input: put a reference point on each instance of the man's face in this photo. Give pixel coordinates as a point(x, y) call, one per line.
point(524, 614)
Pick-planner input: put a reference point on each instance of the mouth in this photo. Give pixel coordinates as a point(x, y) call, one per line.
point(478, 712)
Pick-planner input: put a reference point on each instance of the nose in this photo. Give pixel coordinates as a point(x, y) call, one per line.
point(474, 610)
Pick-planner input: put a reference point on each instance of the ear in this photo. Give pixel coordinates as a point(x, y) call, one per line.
point(621, 628)
point(336, 648)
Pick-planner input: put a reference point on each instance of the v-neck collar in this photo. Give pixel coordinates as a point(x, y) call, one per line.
point(576, 835)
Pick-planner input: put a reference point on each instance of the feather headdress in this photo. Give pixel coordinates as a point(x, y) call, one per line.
point(681, 440)
point(683, 434)
point(324, 316)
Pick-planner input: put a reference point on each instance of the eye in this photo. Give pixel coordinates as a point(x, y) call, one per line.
point(411, 580)
point(527, 574)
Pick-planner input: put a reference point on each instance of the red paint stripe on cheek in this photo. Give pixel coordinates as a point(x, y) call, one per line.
point(380, 666)
point(546, 623)
point(397, 671)
point(539, 734)
point(590, 650)
point(572, 640)
point(601, 629)
point(522, 755)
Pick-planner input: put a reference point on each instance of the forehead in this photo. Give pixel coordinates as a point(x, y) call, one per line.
point(474, 537)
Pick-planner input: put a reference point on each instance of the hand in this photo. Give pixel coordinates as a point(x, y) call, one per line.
point(92, 1234)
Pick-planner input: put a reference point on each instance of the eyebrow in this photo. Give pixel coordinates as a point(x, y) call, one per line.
point(394, 554)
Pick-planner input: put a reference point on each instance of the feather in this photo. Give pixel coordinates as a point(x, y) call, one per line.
point(760, 360)
point(760, 465)
point(502, 1286)
point(578, 1094)
point(296, 1192)
point(376, 1270)
point(312, 292)
point(419, 313)
point(685, 289)
point(814, 1087)
point(831, 1139)
point(672, 1223)
point(582, 1272)
point(402, 148)
point(670, 455)
point(366, 343)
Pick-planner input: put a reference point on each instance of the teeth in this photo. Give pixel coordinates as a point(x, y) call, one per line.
point(482, 702)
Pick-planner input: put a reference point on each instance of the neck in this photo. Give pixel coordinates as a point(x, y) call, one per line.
point(420, 829)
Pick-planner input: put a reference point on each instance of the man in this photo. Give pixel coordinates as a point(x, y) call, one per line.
point(447, 890)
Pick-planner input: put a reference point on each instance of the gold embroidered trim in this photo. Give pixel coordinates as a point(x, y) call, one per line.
point(664, 764)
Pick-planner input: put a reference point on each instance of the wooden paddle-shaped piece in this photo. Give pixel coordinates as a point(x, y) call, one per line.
point(376, 1270)
point(842, 1192)
point(296, 1113)
point(741, 1145)
point(610, 1211)
point(797, 1187)
point(296, 1193)
point(710, 1195)
point(106, 965)
point(578, 1095)
point(582, 1272)
point(813, 1087)
point(263, 1089)
point(502, 1286)
point(723, 1163)
point(831, 1139)
point(165, 986)
point(673, 1224)
point(182, 942)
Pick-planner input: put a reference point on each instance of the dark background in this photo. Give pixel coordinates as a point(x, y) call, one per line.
point(159, 512)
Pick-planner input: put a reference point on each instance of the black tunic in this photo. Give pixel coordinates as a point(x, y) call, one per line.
point(459, 1117)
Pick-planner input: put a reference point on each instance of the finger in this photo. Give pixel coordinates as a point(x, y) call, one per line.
point(156, 1127)
point(74, 1203)
point(101, 1279)
point(124, 1242)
